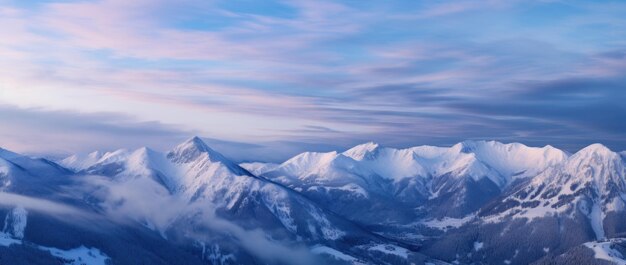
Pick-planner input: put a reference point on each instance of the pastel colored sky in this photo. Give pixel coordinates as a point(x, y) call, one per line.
point(270, 79)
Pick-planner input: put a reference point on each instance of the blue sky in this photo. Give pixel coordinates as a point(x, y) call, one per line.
point(269, 79)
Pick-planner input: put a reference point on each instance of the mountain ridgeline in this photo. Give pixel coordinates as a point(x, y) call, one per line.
point(477, 202)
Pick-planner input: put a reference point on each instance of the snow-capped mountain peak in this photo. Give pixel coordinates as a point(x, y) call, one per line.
point(499, 162)
point(114, 157)
point(597, 150)
point(394, 192)
point(79, 162)
point(313, 163)
point(142, 158)
point(363, 151)
point(595, 154)
point(191, 149)
point(597, 164)
point(194, 149)
point(513, 160)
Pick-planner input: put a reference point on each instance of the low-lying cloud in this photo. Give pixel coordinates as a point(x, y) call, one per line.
point(37, 204)
point(145, 201)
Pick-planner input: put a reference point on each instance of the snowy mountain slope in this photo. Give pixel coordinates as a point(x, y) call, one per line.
point(387, 162)
point(79, 162)
point(258, 168)
point(191, 199)
point(83, 162)
point(594, 253)
point(512, 160)
point(35, 235)
point(6, 169)
point(441, 181)
point(502, 163)
point(194, 172)
point(594, 178)
point(612, 251)
point(568, 204)
point(361, 193)
point(202, 184)
point(30, 175)
point(44, 223)
point(476, 202)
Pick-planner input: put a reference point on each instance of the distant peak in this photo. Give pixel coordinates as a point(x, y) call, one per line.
point(596, 148)
point(143, 151)
point(195, 139)
point(192, 149)
point(369, 146)
point(467, 146)
point(95, 154)
point(197, 143)
point(472, 146)
point(594, 154)
point(362, 151)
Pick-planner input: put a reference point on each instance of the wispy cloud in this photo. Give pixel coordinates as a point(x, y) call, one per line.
point(39, 205)
point(401, 73)
point(40, 130)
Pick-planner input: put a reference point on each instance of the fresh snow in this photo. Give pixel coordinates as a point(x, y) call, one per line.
point(514, 160)
point(391, 250)
point(447, 222)
point(594, 164)
point(5, 171)
point(390, 163)
point(214, 254)
point(15, 222)
point(595, 167)
point(194, 174)
point(604, 251)
point(13, 233)
point(4, 167)
point(6, 240)
point(362, 151)
point(529, 214)
point(328, 231)
point(258, 168)
point(596, 218)
point(79, 256)
point(319, 249)
point(363, 164)
point(78, 162)
point(277, 202)
point(478, 245)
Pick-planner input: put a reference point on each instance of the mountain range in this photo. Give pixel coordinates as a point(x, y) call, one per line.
point(476, 202)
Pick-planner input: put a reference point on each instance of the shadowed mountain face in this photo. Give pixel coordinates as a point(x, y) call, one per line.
point(472, 203)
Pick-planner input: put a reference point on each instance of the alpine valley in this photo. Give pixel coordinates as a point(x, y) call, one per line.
point(476, 202)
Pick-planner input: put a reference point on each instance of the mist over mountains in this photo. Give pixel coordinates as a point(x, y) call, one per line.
point(476, 202)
